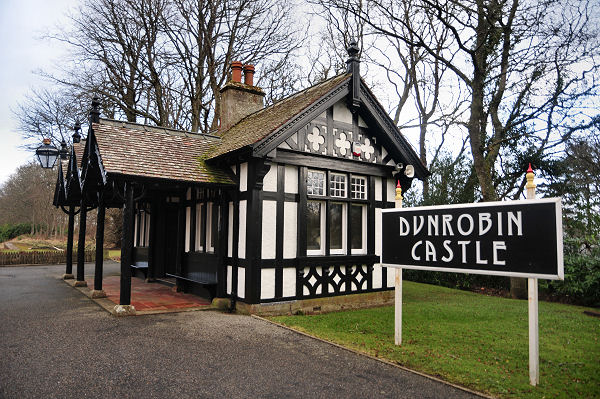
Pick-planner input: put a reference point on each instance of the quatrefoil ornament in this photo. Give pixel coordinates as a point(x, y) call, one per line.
point(315, 139)
point(367, 148)
point(343, 144)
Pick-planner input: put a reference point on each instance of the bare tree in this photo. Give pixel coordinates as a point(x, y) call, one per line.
point(525, 64)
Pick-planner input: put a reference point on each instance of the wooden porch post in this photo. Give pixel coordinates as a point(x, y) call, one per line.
point(81, 245)
point(98, 270)
point(69, 269)
point(124, 307)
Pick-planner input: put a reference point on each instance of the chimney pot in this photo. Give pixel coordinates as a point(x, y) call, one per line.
point(236, 71)
point(249, 74)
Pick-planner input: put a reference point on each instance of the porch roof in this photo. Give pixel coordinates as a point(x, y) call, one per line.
point(138, 150)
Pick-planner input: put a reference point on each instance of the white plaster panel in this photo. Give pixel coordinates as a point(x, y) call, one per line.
point(188, 194)
point(269, 229)
point(391, 276)
point(230, 231)
point(270, 179)
point(341, 112)
point(188, 220)
point(284, 146)
point(244, 176)
point(378, 192)
point(290, 229)
point(377, 276)
point(267, 283)
point(241, 288)
point(242, 232)
point(289, 282)
point(232, 168)
point(391, 190)
point(229, 278)
point(378, 237)
point(291, 179)
point(361, 122)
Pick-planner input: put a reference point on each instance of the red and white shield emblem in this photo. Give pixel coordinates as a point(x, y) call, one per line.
point(356, 150)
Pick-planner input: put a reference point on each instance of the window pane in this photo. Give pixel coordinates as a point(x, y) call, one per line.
point(336, 225)
point(356, 220)
point(315, 183)
point(337, 185)
point(313, 225)
point(358, 187)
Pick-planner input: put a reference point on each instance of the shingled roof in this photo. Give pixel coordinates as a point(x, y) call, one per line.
point(260, 124)
point(139, 150)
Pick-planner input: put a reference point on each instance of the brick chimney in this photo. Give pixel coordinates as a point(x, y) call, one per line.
point(238, 99)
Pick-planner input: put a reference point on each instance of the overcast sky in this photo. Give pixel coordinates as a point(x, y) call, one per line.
point(21, 53)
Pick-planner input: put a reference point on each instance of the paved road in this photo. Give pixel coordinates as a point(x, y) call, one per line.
point(54, 342)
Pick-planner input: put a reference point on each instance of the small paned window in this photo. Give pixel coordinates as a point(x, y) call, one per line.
point(315, 183)
point(337, 185)
point(358, 187)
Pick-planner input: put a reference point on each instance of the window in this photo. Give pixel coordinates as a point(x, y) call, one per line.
point(358, 187)
point(336, 224)
point(337, 228)
point(337, 185)
point(315, 228)
point(358, 224)
point(315, 183)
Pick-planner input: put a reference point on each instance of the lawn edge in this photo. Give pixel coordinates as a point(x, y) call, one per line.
point(462, 388)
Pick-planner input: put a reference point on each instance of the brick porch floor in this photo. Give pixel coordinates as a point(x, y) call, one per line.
point(151, 296)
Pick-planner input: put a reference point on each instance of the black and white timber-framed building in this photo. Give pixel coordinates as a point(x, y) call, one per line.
point(283, 204)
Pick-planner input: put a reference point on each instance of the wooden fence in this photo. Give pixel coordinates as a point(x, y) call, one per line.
point(41, 257)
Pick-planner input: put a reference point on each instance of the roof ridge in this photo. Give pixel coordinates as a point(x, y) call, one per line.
point(283, 100)
point(155, 129)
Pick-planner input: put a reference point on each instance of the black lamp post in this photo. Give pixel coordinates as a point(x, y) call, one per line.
point(47, 154)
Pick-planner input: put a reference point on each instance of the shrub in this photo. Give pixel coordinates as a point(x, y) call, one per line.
point(10, 231)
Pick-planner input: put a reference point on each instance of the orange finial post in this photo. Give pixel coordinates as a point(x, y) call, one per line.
point(398, 197)
point(530, 186)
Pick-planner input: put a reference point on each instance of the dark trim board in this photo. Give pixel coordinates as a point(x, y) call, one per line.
point(326, 163)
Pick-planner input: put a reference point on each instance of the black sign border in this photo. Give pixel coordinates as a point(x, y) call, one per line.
point(559, 239)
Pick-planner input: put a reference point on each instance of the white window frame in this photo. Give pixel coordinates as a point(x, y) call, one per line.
point(323, 188)
point(343, 250)
point(323, 242)
point(332, 189)
point(199, 245)
point(363, 249)
point(209, 208)
point(352, 192)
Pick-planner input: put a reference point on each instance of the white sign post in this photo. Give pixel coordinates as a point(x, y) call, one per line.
point(398, 284)
point(532, 293)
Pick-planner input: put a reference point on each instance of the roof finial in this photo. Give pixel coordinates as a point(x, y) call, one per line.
point(95, 112)
point(76, 135)
point(353, 61)
point(353, 64)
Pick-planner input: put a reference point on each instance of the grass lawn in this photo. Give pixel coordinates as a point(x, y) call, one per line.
point(473, 340)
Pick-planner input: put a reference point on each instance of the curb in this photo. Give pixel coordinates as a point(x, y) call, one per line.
point(483, 395)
